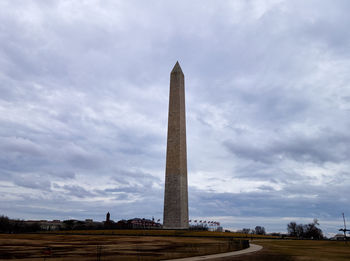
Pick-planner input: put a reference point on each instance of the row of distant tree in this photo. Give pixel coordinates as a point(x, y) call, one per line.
point(308, 231)
point(257, 231)
point(8, 225)
point(302, 231)
point(17, 226)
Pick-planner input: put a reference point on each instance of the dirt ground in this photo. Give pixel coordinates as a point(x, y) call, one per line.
point(107, 247)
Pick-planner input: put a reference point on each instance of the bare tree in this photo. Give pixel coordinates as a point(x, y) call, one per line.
point(245, 231)
point(305, 231)
point(260, 230)
point(292, 229)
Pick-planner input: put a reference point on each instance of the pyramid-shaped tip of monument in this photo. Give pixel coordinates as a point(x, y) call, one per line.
point(177, 68)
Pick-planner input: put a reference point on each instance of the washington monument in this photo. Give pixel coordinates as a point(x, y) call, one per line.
point(176, 196)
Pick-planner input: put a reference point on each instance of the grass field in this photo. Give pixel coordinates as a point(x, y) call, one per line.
point(165, 244)
point(297, 250)
point(108, 247)
point(310, 250)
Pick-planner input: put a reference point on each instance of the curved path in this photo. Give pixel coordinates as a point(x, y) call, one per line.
point(251, 249)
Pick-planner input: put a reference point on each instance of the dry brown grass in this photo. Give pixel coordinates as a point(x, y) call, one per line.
point(297, 250)
point(145, 247)
point(111, 247)
point(309, 249)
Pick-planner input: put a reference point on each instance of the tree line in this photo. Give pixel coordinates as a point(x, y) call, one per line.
point(308, 231)
point(301, 231)
point(259, 230)
point(17, 226)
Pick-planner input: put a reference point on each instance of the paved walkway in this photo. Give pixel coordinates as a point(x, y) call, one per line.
point(251, 249)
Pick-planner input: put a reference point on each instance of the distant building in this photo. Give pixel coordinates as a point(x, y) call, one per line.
point(340, 237)
point(46, 225)
point(87, 224)
point(219, 229)
point(138, 223)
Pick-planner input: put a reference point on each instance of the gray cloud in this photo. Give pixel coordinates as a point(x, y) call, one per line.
point(327, 146)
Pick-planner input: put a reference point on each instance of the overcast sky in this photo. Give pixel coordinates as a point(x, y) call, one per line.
point(84, 89)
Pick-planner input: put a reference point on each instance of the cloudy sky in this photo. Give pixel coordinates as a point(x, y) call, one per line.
point(84, 91)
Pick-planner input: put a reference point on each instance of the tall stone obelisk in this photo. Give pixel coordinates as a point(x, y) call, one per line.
point(176, 196)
